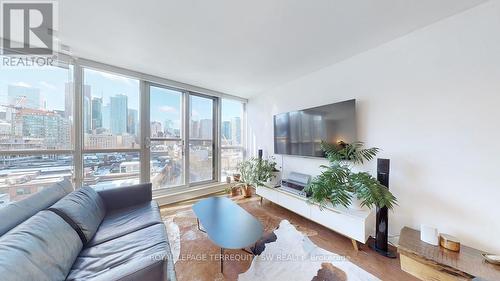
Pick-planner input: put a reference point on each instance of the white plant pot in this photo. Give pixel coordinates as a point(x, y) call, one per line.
point(355, 203)
point(275, 179)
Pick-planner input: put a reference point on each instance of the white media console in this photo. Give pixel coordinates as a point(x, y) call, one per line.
point(357, 225)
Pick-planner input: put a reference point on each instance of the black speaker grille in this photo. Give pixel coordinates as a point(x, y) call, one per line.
point(383, 165)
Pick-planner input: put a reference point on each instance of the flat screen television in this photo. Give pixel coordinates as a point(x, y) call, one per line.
point(301, 132)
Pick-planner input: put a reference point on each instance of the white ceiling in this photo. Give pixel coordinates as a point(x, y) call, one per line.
point(239, 47)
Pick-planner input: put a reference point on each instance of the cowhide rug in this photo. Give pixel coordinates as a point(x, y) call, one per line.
point(174, 238)
point(293, 256)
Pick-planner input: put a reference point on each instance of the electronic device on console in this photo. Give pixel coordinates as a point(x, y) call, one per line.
point(295, 184)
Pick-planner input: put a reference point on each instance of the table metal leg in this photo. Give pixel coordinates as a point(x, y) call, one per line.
point(198, 223)
point(247, 251)
point(221, 260)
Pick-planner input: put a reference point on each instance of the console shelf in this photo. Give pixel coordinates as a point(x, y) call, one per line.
point(357, 225)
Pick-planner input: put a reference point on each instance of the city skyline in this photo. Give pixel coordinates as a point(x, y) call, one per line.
point(36, 113)
point(51, 84)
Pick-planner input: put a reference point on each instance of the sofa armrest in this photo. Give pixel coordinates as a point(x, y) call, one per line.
point(125, 196)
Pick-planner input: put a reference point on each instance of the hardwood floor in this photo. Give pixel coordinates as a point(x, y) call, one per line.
point(195, 261)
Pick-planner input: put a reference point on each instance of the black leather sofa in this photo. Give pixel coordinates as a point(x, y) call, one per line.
point(61, 234)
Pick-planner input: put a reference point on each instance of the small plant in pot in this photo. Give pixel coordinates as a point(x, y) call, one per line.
point(233, 189)
point(254, 172)
point(274, 174)
point(338, 185)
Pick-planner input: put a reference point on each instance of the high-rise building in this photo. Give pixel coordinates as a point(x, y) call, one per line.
point(5, 129)
point(22, 96)
point(132, 121)
point(68, 104)
point(156, 129)
point(105, 140)
point(206, 130)
point(48, 126)
point(169, 128)
point(87, 109)
point(226, 132)
point(118, 114)
point(96, 113)
point(194, 130)
point(236, 130)
point(106, 121)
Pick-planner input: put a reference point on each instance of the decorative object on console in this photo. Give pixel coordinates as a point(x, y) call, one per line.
point(381, 244)
point(429, 235)
point(493, 259)
point(275, 178)
point(295, 184)
point(449, 242)
point(337, 184)
point(428, 262)
point(233, 189)
point(254, 172)
point(236, 177)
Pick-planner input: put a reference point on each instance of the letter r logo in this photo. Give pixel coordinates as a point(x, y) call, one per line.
point(27, 28)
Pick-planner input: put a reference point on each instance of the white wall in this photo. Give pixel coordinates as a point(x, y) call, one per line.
point(431, 101)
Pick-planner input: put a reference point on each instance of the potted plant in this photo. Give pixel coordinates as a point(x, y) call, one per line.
point(234, 190)
point(275, 174)
point(254, 172)
point(339, 185)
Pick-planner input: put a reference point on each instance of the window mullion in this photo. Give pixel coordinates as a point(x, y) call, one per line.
point(216, 124)
point(145, 131)
point(185, 123)
point(78, 125)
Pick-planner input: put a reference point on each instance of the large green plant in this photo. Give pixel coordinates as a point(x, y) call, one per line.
point(256, 172)
point(337, 184)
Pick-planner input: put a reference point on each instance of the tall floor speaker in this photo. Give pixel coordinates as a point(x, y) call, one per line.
point(381, 244)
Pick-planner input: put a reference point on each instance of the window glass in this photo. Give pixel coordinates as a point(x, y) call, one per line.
point(167, 162)
point(201, 164)
point(110, 111)
point(104, 170)
point(23, 175)
point(166, 113)
point(232, 151)
point(36, 108)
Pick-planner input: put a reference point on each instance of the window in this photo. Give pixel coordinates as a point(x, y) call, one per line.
point(201, 139)
point(36, 130)
point(44, 137)
point(231, 128)
point(166, 130)
point(111, 128)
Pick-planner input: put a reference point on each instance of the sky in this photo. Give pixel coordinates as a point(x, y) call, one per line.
point(165, 103)
point(50, 81)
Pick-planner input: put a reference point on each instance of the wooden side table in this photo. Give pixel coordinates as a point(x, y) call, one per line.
point(428, 262)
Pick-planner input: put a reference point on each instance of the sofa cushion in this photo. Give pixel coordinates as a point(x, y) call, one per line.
point(123, 221)
point(17, 212)
point(140, 255)
point(43, 247)
point(83, 209)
